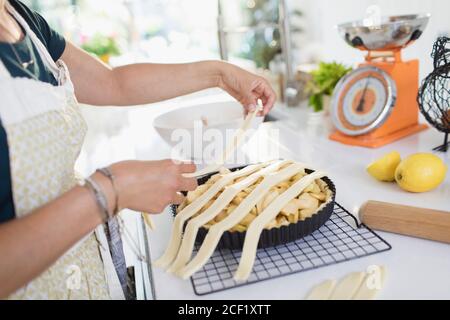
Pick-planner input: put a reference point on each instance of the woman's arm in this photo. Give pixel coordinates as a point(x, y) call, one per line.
point(98, 84)
point(31, 244)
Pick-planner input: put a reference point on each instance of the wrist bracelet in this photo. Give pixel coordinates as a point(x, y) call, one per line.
point(107, 173)
point(100, 198)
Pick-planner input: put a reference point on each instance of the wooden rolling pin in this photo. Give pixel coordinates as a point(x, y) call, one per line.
point(412, 221)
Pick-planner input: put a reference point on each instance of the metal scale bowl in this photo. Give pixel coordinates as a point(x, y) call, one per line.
point(376, 103)
point(394, 33)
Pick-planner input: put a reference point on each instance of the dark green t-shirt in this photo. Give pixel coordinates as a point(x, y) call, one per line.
point(27, 51)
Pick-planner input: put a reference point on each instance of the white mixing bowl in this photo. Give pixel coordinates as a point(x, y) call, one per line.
point(224, 117)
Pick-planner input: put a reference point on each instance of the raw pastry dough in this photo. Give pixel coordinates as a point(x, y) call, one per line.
point(347, 287)
point(322, 291)
point(212, 212)
point(216, 231)
point(354, 286)
point(255, 229)
point(367, 290)
point(177, 227)
point(148, 221)
point(230, 149)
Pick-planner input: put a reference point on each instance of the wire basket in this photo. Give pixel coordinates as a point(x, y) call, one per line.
point(339, 239)
point(434, 94)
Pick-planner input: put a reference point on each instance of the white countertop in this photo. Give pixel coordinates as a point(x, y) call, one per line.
point(417, 269)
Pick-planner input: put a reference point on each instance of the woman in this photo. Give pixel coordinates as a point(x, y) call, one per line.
point(47, 218)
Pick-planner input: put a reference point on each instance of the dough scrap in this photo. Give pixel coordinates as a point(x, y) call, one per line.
point(367, 291)
point(354, 286)
point(190, 210)
point(347, 287)
point(230, 192)
point(322, 291)
point(256, 227)
point(215, 232)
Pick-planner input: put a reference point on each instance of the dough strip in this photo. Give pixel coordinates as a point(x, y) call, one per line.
point(229, 150)
point(322, 291)
point(177, 227)
point(222, 201)
point(365, 292)
point(215, 232)
point(256, 227)
point(347, 287)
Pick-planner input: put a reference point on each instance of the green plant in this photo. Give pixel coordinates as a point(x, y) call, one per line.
point(324, 79)
point(101, 45)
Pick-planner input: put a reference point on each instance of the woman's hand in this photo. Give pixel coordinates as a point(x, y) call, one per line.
point(150, 186)
point(246, 87)
point(54, 228)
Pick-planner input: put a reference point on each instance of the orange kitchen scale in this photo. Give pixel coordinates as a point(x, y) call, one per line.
point(376, 103)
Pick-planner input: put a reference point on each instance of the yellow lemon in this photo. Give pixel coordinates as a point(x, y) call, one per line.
point(383, 169)
point(420, 172)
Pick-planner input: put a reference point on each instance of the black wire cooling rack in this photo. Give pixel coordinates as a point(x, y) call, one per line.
point(339, 239)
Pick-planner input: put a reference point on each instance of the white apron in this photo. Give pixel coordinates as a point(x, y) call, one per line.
point(45, 132)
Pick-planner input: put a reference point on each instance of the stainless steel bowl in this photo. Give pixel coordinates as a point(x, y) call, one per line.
point(395, 32)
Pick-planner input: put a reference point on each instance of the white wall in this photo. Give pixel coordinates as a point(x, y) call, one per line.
point(321, 16)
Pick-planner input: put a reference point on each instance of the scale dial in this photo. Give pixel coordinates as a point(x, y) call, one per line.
point(363, 100)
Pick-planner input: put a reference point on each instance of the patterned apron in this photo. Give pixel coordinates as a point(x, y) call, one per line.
point(45, 132)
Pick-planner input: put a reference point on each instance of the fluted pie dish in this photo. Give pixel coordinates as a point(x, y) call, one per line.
point(259, 205)
point(299, 218)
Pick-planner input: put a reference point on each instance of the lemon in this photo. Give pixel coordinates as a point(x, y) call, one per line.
point(420, 172)
point(383, 169)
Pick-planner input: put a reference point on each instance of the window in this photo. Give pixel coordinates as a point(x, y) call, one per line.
point(157, 30)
